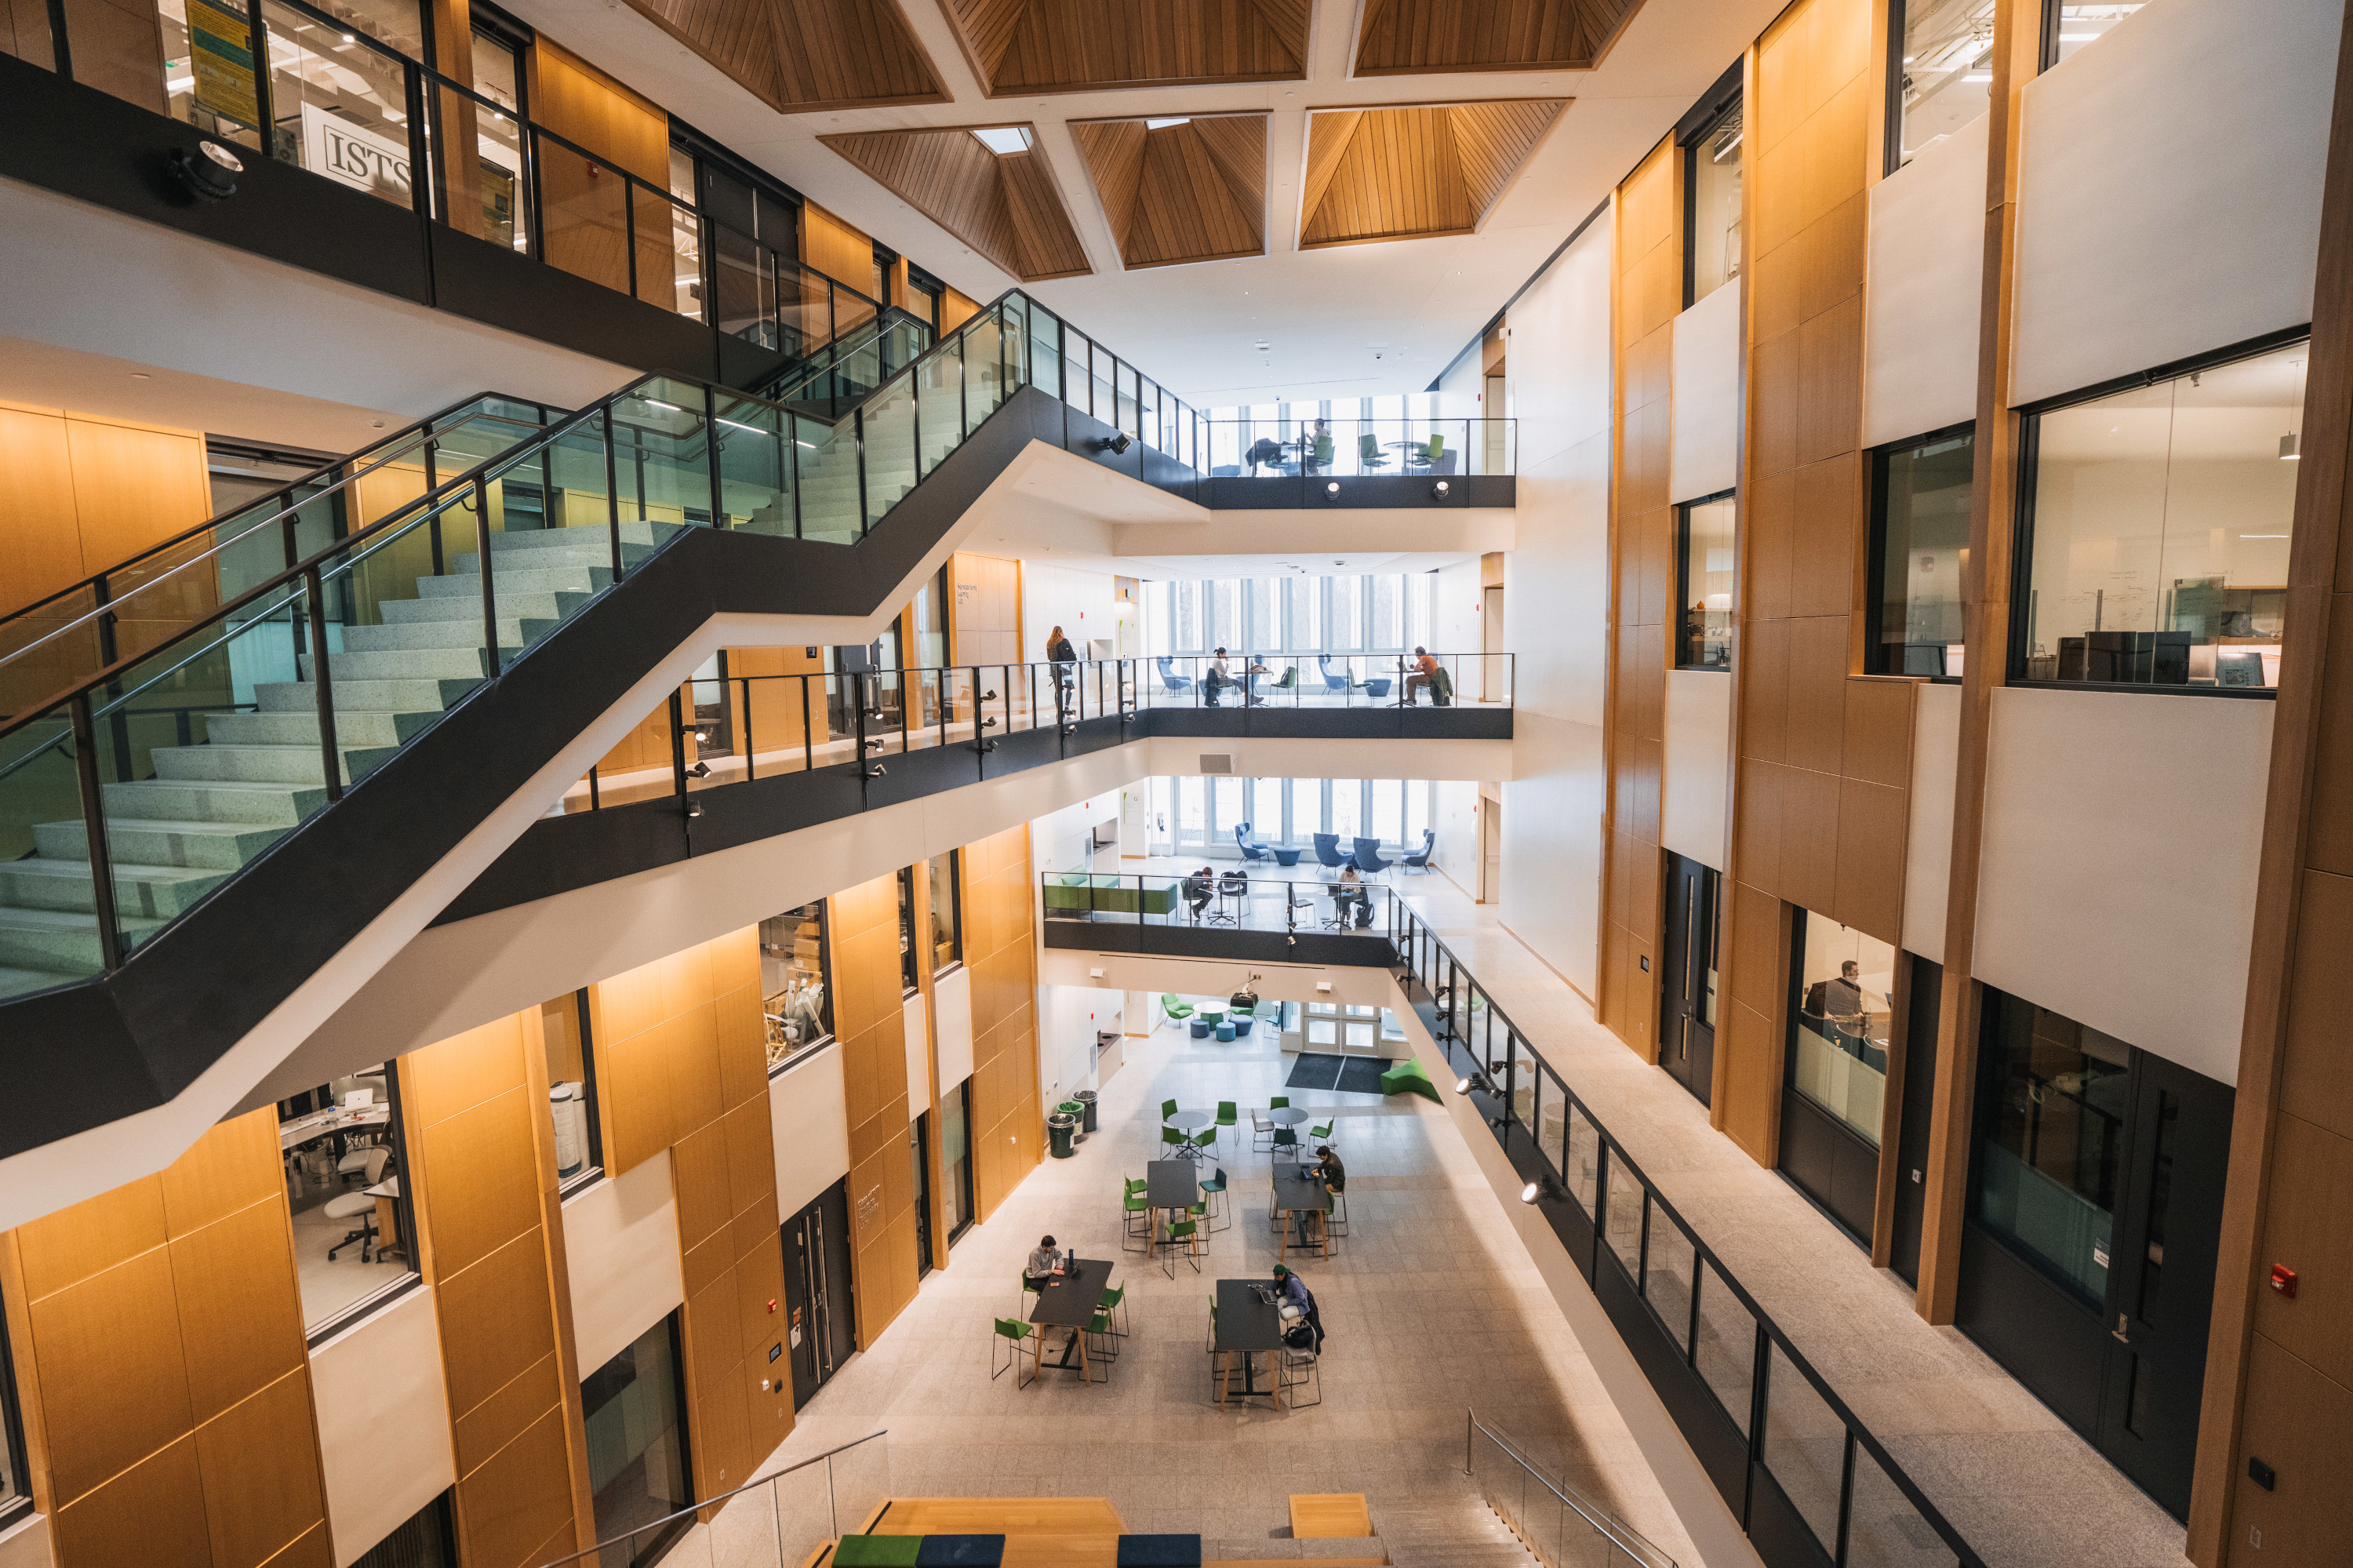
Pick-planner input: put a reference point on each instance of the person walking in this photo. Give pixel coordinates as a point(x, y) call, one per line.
point(1064, 659)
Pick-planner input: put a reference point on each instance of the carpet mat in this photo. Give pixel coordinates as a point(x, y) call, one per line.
point(1313, 1070)
point(1361, 1075)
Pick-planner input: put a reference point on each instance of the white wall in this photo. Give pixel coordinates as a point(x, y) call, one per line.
point(2169, 189)
point(620, 1245)
point(1929, 836)
point(1059, 841)
point(1068, 1017)
point(808, 1118)
point(1079, 602)
point(383, 1422)
point(1703, 439)
point(1455, 815)
point(1922, 289)
point(1697, 761)
point(919, 1056)
point(26, 1543)
point(2117, 883)
point(1556, 604)
point(952, 993)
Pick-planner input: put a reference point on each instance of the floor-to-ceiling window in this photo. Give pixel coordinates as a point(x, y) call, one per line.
point(634, 1407)
point(1289, 813)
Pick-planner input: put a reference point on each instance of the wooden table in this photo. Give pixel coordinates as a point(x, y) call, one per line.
point(1247, 1325)
point(1071, 1302)
point(1326, 1516)
point(1304, 1196)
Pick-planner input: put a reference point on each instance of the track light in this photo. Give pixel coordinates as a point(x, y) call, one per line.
point(1542, 1187)
point(1437, 492)
point(693, 809)
point(1331, 490)
point(209, 172)
point(1470, 1081)
point(1116, 443)
point(700, 770)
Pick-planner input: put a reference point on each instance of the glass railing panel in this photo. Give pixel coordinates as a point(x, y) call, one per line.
point(987, 370)
point(712, 743)
point(575, 469)
point(59, 646)
point(851, 311)
point(583, 212)
point(926, 719)
point(756, 474)
point(837, 721)
point(478, 149)
point(1725, 1348)
point(217, 728)
point(543, 575)
point(1622, 1224)
point(661, 461)
point(1044, 348)
point(656, 225)
point(745, 304)
point(888, 442)
point(1667, 1275)
point(826, 458)
point(1100, 367)
point(1078, 386)
point(939, 383)
point(804, 307)
point(410, 640)
point(1884, 1530)
point(50, 936)
point(1805, 1446)
point(781, 714)
point(341, 103)
point(883, 692)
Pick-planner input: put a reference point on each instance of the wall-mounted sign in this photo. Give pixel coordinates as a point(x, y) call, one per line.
point(775, 1350)
point(353, 155)
point(220, 51)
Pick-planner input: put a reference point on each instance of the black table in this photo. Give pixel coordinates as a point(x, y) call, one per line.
point(1303, 1196)
point(1247, 1325)
point(1071, 1302)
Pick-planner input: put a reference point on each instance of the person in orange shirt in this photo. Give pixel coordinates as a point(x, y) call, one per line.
point(1425, 671)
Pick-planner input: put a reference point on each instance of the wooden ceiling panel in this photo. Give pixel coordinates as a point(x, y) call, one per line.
point(1075, 45)
point(1417, 171)
point(797, 56)
point(1190, 192)
point(1404, 37)
point(1005, 206)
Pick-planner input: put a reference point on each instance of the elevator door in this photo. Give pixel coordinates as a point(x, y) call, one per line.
point(1687, 989)
point(819, 1321)
point(1918, 1118)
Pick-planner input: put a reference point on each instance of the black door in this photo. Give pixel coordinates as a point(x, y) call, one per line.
point(918, 1150)
point(1920, 1020)
point(1687, 989)
point(2161, 1276)
point(817, 1291)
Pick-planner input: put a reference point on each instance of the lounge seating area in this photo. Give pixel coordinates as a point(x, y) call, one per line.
point(1080, 1532)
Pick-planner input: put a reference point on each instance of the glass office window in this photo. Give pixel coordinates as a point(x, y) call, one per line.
point(342, 1144)
point(634, 1409)
point(1712, 186)
point(424, 1540)
point(2051, 1125)
point(571, 1087)
point(2067, 27)
point(1919, 547)
point(1706, 576)
point(793, 990)
point(2155, 526)
point(947, 913)
point(1839, 1055)
point(1943, 78)
point(909, 961)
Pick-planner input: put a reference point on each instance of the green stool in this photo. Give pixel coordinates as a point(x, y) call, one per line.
point(1017, 1336)
point(878, 1550)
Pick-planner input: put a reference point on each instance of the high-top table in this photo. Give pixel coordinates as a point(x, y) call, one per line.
point(1248, 1326)
point(1071, 1302)
point(1304, 1196)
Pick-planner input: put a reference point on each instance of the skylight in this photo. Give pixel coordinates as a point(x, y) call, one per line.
point(1164, 124)
point(1005, 139)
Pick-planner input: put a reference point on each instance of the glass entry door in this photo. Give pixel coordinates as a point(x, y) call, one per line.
point(820, 1313)
point(1687, 989)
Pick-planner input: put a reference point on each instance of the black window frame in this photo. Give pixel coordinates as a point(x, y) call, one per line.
point(592, 1169)
point(1874, 602)
point(12, 1433)
point(441, 1523)
point(1721, 98)
point(404, 1208)
point(2024, 475)
point(910, 949)
point(1682, 578)
point(683, 1518)
point(823, 915)
point(955, 909)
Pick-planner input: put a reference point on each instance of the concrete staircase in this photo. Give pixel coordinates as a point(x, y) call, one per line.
point(829, 497)
point(1466, 1534)
point(208, 809)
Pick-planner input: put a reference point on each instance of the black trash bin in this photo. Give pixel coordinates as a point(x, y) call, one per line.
point(1059, 1128)
point(1086, 1117)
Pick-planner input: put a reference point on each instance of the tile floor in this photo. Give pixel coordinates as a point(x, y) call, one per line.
point(2021, 1487)
point(1433, 1306)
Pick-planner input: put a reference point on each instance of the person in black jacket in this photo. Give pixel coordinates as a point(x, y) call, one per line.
point(1064, 658)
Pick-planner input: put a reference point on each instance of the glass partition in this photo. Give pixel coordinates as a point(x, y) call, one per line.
point(947, 911)
point(1706, 568)
point(1711, 187)
point(2051, 1130)
point(634, 1408)
point(1846, 984)
point(795, 1001)
point(343, 1148)
point(1942, 76)
point(2155, 524)
point(1919, 552)
point(571, 1088)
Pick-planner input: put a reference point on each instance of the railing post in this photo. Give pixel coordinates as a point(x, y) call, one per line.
point(612, 489)
point(329, 752)
point(750, 765)
point(93, 822)
point(711, 456)
point(793, 450)
point(808, 740)
point(858, 425)
point(490, 662)
point(677, 744)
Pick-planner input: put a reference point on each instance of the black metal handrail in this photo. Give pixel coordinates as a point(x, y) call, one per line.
point(691, 1510)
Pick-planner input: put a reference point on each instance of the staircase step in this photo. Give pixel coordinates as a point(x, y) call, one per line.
point(144, 892)
point(58, 940)
point(423, 695)
point(23, 982)
point(404, 664)
point(202, 846)
point(204, 800)
point(465, 608)
point(582, 578)
point(353, 729)
point(409, 637)
point(258, 764)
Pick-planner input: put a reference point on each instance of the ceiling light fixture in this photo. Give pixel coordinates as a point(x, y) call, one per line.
point(1164, 124)
point(1003, 139)
point(2288, 450)
point(209, 172)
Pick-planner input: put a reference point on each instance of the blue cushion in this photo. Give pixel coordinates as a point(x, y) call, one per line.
point(961, 1552)
point(1159, 1552)
point(1225, 1032)
point(1241, 1028)
point(1200, 1029)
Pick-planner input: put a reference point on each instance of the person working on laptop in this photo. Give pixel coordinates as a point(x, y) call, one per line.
point(1292, 1291)
point(1045, 1263)
point(1328, 1170)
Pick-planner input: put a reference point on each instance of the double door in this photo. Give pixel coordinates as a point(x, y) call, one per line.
point(819, 1313)
point(1687, 985)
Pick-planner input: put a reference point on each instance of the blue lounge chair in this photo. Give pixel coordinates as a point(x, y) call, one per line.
point(1367, 857)
point(1170, 679)
point(1418, 860)
point(1327, 851)
point(1249, 851)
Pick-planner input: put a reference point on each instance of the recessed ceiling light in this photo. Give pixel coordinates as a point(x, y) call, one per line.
point(139, 376)
point(1003, 139)
point(1164, 124)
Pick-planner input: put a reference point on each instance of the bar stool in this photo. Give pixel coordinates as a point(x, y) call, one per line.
point(1213, 1191)
point(1017, 1336)
point(1297, 1369)
point(1336, 1223)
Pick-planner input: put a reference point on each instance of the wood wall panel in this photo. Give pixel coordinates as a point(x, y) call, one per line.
point(802, 56)
point(1416, 172)
point(1003, 205)
point(584, 106)
point(986, 623)
point(91, 493)
point(1408, 37)
point(1000, 936)
point(160, 1363)
point(1193, 192)
point(870, 1017)
point(1071, 46)
point(836, 248)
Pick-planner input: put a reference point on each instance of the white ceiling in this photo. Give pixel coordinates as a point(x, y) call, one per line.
point(1326, 315)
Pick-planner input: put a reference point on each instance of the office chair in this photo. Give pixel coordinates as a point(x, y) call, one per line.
point(360, 1206)
point(1368, 452)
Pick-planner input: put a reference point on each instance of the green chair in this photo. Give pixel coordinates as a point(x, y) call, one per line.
point(1410, 1077)
point(1015, 1336)
point(1177, 1012)
point(1213, 1195)
point(1028, 1288)
point(879, 1551)
point(1173, 1143)
point(1115, 1299)
point(1322, 457)
point(1368, 452)
point(1206, 1140)
point(1229, 1114)
point(1427, 456)
point(1134, 1205)
point(1100, 1352)
point(1167, 1109)
point(1188, 1234)
point(1323, 1134)
point(1277, 1102)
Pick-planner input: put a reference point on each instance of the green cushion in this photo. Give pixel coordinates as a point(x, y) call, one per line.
point(1409, 1078)
point(878, 1550)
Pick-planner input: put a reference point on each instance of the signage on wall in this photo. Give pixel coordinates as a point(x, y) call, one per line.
point(220, 52)
point(353, 155)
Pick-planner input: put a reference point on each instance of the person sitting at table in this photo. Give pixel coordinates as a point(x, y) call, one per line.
point(1329, 1171)
point(1220, 676)
point(1292, 1292)
point(1425, 671)
point(1315, 447)
point(1349, 890)
point(1045, 1263)
point(1199, 888)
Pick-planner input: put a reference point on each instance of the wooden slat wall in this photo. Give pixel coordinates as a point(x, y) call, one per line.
point(1005, 206)
point(1194, 192)
point(869, 1018)
point(482, 1180)
point(1403, 37)
point(1114, 151)
point(801, 56)
point(1046, 243)
point(1068, 46)
point(682, 1065)
point(1649, 262)
point(89, 493)
point(836, 248)
point(999, 945)
point(1403, 174)
point(160, 1371)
